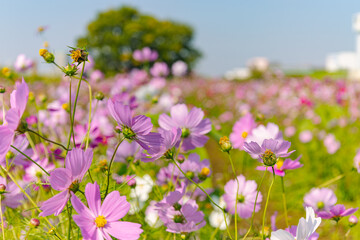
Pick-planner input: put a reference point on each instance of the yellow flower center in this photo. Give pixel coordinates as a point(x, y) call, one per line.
point(244, 134)
point(205, 171)
point(42, 52)
point(75, 55)
point(280, 163)
point(100, 221)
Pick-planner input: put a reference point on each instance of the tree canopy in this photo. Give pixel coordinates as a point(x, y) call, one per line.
point(113, 36)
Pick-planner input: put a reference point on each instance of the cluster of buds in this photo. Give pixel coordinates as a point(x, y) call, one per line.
point(48, 56)
point(78, 55)
point(225, 144)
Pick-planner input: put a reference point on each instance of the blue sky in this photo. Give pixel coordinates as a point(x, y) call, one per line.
point(293, 33)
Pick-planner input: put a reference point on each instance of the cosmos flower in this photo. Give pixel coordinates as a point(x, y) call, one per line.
point(171, 138)
point(160, 69)
point(168, 174)
point(192, 125)
point(11, 195)
point(145, 55)
point(282, 165)
point(22, 63)
point(337, 212)
point(197, 170)
point(304, 231)
point(241, 129)
point(179, 68)
point(269, 151)
point(216, 218)
point(127, 152)
point(18, 101)
point(135, 128)
point(178, 214)
point(67, 180)
point(320, 199)
point(99, 221)
point(246, 197)
point(260, 133)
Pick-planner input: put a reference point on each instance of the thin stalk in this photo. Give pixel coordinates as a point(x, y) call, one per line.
point(27, 195)
point(87, 136)
point(69, 216)
point(2, 222)
point(267, 200)
point(325, 184)
point(46, 139)
point(3, 106)
point(284, 201)
point(109, 170)
point(253, 213)
point(31, 160)
point(237, 193)
point(211, 200)
point(70, 109)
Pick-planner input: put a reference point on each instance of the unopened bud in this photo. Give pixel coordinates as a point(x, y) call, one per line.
point(225, 144)
point(353, 220)
point(9, 155)
point(2, 89)
point(70, 70)
point(35, 222)
point(48, 56)
point(180, 159)
point(2, 188)
point(99, 96)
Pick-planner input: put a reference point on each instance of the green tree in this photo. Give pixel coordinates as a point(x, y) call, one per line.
point(115, 34)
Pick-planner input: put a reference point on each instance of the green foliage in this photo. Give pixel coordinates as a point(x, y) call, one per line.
point(115, 34)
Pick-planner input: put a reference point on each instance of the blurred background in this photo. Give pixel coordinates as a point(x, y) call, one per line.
point(295, 36)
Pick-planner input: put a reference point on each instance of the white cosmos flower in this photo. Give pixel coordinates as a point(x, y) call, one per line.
point(143, 187)
point(304, 229)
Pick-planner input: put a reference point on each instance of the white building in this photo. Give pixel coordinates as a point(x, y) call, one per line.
point(347, 60)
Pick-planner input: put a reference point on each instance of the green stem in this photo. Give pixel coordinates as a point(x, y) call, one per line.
point(237, 193)
point(253, 213)
point(46, 139)
point(109, 170)
point(87, 138)
point(267, 201)
point(69, 216)
point(70, 110)
point(211, 200)
point(2, 222)
point(31, 160)
point(284, 201)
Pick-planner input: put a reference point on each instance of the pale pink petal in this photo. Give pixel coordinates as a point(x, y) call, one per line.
point(124, 230)
point(92, 193)
point(60, 179)
point(54, 205)
point(114, 206)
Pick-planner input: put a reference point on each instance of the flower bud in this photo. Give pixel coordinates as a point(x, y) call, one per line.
point(2, 188)
point(9, 155)
point(353, 220)
point(2, 89)
point(70, 70)
point(225, 144)
point(35, 222)
point(99, 96)
point(48, 56)
point(180, 158)
point(269, 158)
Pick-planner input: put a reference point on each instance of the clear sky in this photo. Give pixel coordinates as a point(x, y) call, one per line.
point(296, 33)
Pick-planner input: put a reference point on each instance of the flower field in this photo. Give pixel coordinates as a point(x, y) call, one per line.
point(158, 152)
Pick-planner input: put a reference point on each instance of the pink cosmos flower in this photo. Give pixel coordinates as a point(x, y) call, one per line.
point(336, 212)
point(22, 63)
point(160, 69)
point(331, 144)
point(67, 180)
point(246, 197)
point(305, 136)
point(145, 55)
point(135, 128)
point(12, 196)
point(270, 149)
point(320, 199)
point(18, 100)
point(179, 68)
point(99, 221)
point(192, 125)
point(171, 138)
point(241, 130)
point(260, 133)
point(282, 165)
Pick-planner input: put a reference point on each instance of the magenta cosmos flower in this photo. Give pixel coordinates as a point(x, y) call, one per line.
point(160, 69)
point(99, 221)
point(67, 180)
point(269, 151)
point(145, 55)
point(246, 197)
point(282, 165)
point(135, 128)
point(192, 125)
point(171, 138)
point(337, 212)
point(241, 130)
point(18, 101)
point(320, 199)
